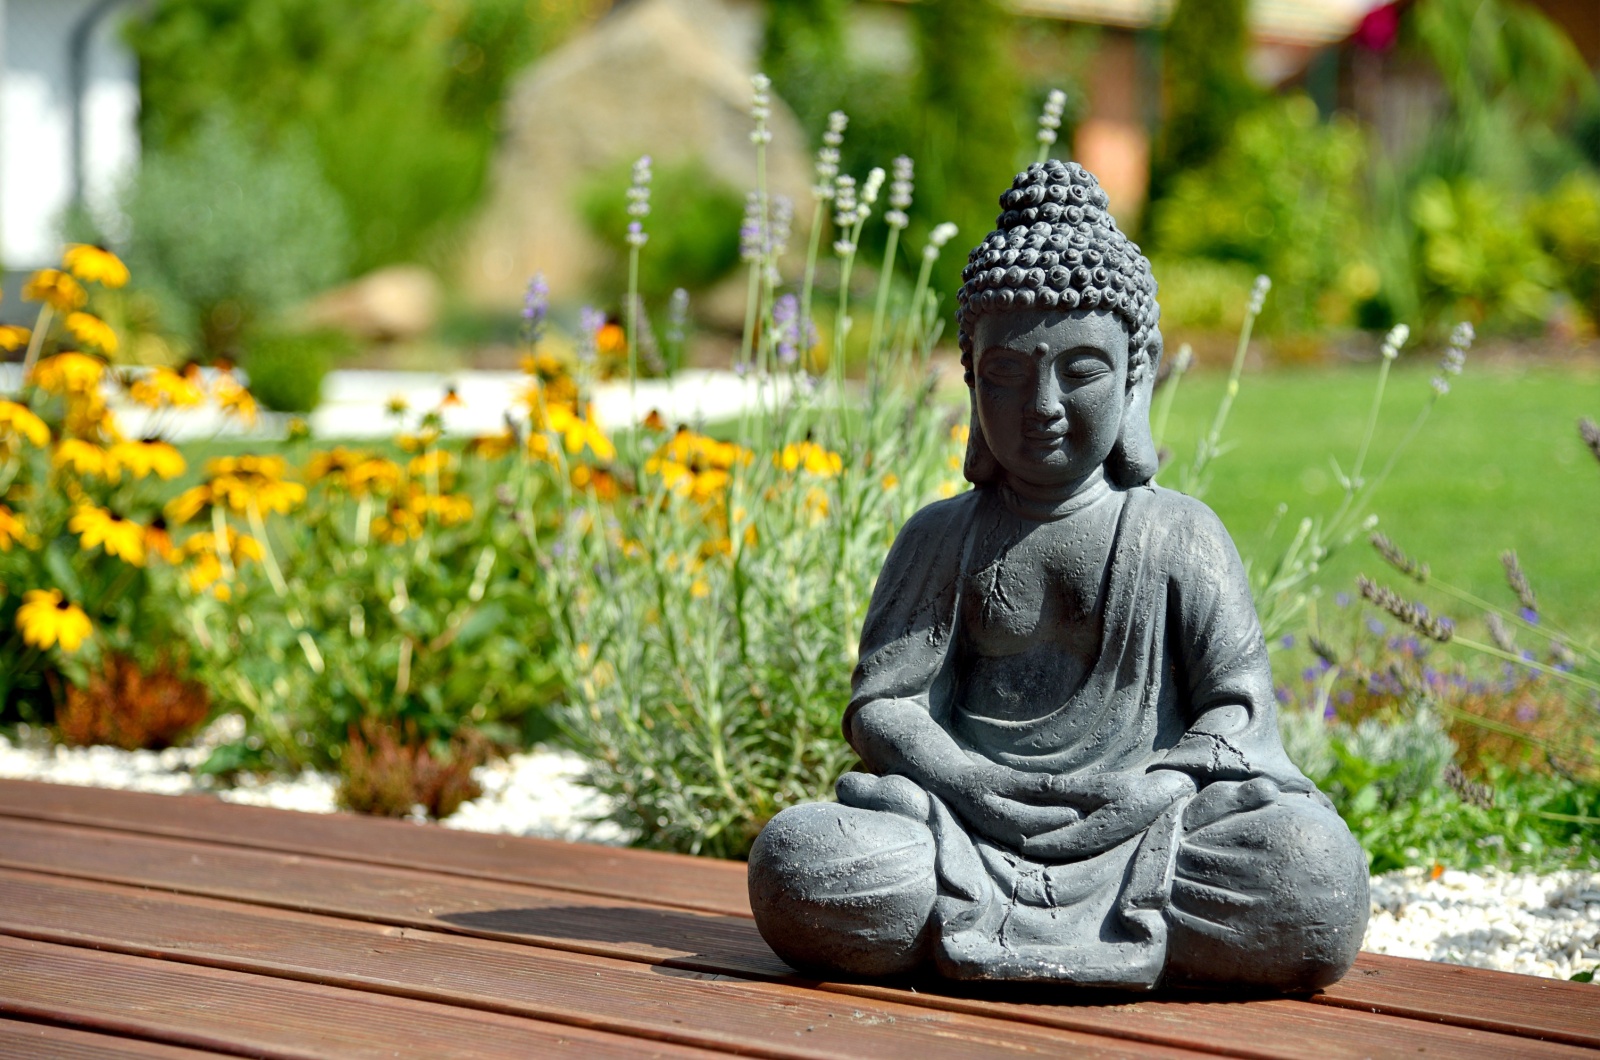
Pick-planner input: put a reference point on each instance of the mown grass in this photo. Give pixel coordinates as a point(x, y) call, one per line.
point(1498, 465)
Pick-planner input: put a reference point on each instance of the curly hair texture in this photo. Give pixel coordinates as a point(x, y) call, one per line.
point(1056, 246)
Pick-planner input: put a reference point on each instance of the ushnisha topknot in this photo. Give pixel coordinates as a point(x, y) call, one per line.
point(1055, 245)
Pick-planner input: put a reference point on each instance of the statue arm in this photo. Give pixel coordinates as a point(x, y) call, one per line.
point(1225, 677)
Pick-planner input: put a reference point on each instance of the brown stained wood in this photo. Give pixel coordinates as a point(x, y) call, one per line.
point(670, 879)
point(708, 945)
point(1475, 997)
point(627, 997)
point(34, 1041)
point(261, 1016)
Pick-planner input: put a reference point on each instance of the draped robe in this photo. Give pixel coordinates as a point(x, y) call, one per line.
point(1180, 636)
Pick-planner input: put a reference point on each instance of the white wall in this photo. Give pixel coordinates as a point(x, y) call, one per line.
point(36, 123)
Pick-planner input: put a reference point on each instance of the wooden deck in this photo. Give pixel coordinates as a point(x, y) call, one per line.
point(155, 926)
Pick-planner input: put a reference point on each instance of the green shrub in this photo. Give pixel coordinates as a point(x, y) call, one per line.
point(1478, 255)
point(225, 232)
point(1282, 198)
point(399, 101)
point(694, 228)
point(286, 369)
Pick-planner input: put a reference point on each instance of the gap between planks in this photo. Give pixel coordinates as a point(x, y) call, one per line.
point(387, 896)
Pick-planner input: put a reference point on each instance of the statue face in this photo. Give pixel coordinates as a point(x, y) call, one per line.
point(1052, 390)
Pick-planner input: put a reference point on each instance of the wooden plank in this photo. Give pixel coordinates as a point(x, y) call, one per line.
point(1500, 1001)
point(257, 1015)
point(708, 945)
point(31, 1041)
point(627, 997)
point(672, 880)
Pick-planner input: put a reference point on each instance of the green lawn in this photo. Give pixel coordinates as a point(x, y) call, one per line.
point(1498, 465)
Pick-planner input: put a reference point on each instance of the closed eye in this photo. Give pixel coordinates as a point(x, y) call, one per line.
point(1082, 367)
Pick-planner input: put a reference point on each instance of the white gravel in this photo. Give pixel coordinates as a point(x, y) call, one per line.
point(1514, 922)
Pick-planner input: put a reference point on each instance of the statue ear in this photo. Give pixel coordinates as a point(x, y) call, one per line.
point(980, 467)
point(1133, 461)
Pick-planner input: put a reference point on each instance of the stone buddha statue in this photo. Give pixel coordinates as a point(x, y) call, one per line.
point(1071, 767)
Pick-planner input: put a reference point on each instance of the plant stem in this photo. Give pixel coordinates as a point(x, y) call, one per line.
point(818, 217)
point(1208, 445)
point(1171, 393)
point(41, 325)
point(633, 333)
point(883, 294)
point(1497, 653)
point(1354, 482)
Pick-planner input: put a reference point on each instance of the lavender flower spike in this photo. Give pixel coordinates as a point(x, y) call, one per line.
point(1055, 105)
point(760, 108)
point(1455, 356)
point(899, 193)
point(535, 309)
point(828, 155)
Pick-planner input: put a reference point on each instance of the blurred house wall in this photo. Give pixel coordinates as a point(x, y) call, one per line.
point(37, 102)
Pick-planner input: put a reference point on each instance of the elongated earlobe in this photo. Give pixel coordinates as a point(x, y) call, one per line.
point(980, 466)
point(1133, 461)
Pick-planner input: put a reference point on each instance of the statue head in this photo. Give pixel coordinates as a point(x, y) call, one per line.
point(1058, 270)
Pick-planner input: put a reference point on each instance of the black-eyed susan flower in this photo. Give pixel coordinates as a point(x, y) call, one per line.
point(240, 547)
point(397, 406)
point(90, 330)
point(579, 431)
point(654, 421)
point(56, 289)
point(12, 529)
point(13, 337)
point(234, 400)
point(85, 458)
point(398, 524)
point(21, 422)
point(449, 508)
point(451, 399)
point(47, 618)
point(93, 264)
point(492, 446)
point(149, 456)
point(69, 373)
point(243, 482)
point(602, 483)
point(812, 457)
point(162, 388)
point(120, 536)
point(432, 462)
point(158, 541)
point(611, 339)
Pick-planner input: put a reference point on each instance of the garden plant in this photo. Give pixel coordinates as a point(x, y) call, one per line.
point(680, 603)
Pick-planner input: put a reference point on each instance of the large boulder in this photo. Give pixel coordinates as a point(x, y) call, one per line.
point(393, 303)
point(668, 78)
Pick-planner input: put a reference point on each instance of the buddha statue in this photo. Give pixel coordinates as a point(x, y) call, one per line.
point(1070, 763)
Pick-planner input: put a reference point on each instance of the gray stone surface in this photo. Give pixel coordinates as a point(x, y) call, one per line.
point(1063, 707)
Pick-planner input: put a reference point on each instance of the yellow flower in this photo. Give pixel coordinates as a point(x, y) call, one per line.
point(158, 541)
point(204, 573)
point(162, 387)
point(69, 373)
point(949, 488)
point(88, 416)
point(56, 289)
point(602, 482)
point(20, 420)
point(960, 433)
point(46, 617)
point(579, 431)
point(699, 589)
point(13, 337)
point(149, 455)
point(354, 471)
point(12, 529)
point(450, 508)
point(431, 462)
point(235, 400)
point(95, 265)
point(86, 458)
point(397, 406)
point(190, 503)
point(241, 547)
point(121, 536)
point(398, 524)
point(811, 456)
point(492, 446)
point(240, 482)
point(90, 330)
point(816, 504)
point(890, 481)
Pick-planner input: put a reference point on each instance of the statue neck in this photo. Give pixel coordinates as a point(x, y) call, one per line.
point(1045, 503)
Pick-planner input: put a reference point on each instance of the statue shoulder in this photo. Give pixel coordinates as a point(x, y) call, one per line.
point(1188, 530)
point(948, 518)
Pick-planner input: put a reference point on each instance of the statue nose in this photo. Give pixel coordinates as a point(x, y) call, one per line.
point(1047, 398)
